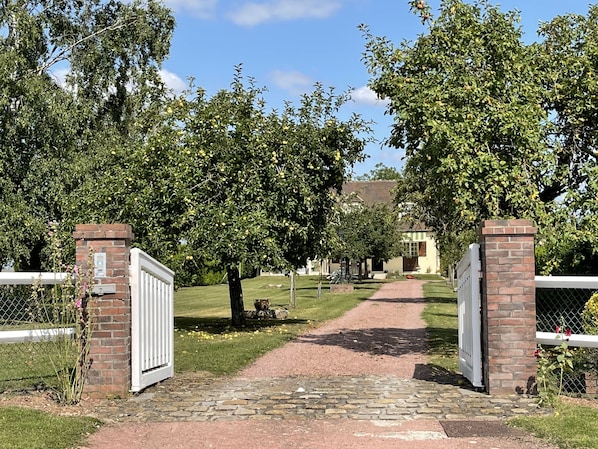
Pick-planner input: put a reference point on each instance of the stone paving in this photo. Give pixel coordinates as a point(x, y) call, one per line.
point(361, 398)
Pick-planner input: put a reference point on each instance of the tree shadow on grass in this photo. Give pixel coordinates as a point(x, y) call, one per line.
point(216, 325)
point(443, 341)
point(441, 300)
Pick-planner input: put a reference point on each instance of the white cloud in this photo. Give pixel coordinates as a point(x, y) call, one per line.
point(294, 82)
point(251, 14)
point(204, 9)
point(173, 81)
point(170, 79)
point(365, 95)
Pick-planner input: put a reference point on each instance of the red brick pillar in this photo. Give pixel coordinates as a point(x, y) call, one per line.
point(110, 373)
point(508, 306)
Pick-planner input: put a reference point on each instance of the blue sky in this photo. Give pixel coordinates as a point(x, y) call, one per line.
point(288, 45)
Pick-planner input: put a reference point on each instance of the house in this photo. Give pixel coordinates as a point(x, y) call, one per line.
point(420, 251)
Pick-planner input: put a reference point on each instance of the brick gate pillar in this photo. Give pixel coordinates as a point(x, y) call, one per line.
point(110, 372)
point(508, 306)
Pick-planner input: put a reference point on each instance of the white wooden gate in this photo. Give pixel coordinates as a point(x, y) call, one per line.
point(152, 321)
point(470, 337)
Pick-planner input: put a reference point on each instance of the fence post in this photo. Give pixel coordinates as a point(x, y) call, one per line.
point(110, 373)
point(508, 306)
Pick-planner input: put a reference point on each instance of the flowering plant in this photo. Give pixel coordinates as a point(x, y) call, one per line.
point(589, 319)
point(553, 364)
point(65, 309)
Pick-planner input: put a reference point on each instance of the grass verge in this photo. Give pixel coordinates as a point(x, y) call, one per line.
point(571, 426)
point(440, 315)
point(205, 341)
point(22, 428)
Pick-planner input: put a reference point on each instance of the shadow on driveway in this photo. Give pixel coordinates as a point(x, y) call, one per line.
point(375, 341)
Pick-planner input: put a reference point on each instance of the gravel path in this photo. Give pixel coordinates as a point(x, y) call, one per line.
point(382, 336)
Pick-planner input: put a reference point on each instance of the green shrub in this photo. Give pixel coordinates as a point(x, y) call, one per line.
point(589, 316)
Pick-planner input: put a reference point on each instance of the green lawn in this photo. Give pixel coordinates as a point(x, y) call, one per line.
point(204, 340)
point(22, 428)
point(26, 364)
point(440, 315)
point(571, 426)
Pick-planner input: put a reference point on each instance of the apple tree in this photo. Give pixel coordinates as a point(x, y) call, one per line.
point(366, 231)
point(243, 185)
point(492, 127)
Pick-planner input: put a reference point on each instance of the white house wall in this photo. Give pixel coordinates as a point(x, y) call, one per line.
point(430, 263)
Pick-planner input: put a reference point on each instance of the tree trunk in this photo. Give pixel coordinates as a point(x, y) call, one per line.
point(347, 270)
point(293, 290)
point(235, 291)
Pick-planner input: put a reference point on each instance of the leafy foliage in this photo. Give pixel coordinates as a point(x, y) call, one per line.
point(219, 180)
point(590, 315)
point(368, 231)
point(381, 172)
point(496, 128)
point(257, 184)
point(223, 179)
point(55, 136)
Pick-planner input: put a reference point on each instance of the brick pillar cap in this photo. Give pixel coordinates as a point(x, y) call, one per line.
point(103, 231)
point(507, 227)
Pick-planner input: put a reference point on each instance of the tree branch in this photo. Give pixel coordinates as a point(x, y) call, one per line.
point(63, 54)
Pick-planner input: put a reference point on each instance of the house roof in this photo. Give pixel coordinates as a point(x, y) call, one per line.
point(375, 192)
point(370, 192)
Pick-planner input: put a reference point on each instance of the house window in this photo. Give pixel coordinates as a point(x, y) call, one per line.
point(415, 249)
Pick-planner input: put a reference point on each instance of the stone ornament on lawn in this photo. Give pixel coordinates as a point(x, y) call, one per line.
point(263, 310)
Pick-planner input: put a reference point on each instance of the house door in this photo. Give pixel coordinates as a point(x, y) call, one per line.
point(409, 264)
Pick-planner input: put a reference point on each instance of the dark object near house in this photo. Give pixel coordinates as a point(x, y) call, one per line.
point(261, 304)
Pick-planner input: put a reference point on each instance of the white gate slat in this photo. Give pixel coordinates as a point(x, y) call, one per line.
point(470, 351)
point(152, 321)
